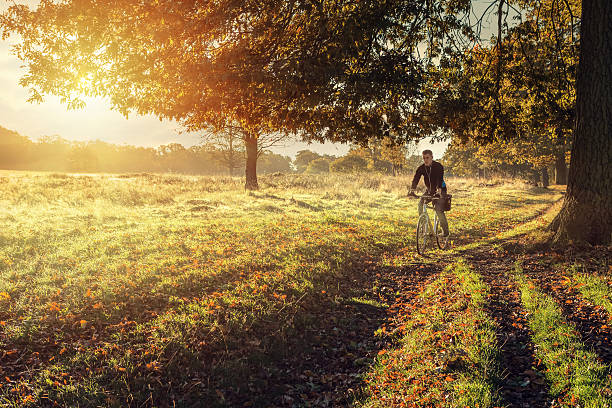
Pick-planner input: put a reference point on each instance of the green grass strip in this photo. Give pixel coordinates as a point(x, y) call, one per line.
point(448, 355)
point(593, 288)
point(575, 375)
point(477, 386)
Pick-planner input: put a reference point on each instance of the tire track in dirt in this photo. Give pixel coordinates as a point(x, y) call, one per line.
point(522, 385)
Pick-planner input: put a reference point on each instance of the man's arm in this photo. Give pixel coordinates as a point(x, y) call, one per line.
point(416, 179)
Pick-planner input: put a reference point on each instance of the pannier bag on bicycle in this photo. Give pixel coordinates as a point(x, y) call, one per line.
point(444, 203)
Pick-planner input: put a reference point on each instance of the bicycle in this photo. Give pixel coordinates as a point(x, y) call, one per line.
point(425, 231)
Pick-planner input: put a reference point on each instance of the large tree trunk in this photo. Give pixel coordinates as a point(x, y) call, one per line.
point(250, 143)
point(586, 215)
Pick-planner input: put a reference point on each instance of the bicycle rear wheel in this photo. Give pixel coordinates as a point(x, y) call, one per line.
point(441, 240)
point(422, 235)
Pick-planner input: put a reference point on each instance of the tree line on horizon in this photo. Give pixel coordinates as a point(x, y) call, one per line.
point(54, 153)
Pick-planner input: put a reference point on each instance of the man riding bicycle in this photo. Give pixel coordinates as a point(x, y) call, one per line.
point(433, 175)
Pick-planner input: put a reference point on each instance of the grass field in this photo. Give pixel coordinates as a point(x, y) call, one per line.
point(165, 290)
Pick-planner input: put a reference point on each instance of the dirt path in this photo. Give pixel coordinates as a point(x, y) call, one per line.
point(522, 384)
point(592, 322)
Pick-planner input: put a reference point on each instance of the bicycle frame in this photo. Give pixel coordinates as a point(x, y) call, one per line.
point(430, 228)
point(425, 207)
point(425, 231)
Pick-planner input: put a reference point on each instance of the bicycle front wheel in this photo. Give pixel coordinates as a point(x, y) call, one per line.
point(441, 240)
point(422, 235)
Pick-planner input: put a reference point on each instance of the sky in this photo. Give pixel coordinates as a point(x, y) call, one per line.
point(97, 122)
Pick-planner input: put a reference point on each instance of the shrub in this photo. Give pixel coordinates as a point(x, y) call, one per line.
point(318, 166)
point(349, 164)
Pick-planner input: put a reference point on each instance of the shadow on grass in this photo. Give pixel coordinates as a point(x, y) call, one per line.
point(513, 203)
point(312, 354)
point(320, 357)
point(541, 264)
point(591, 322)
point(315, 356)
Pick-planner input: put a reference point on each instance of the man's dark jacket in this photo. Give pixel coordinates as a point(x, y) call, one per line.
point(433, 176)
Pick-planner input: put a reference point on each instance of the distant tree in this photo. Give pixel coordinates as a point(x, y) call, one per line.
point(232, 142)
point(318, 166)
point(204, 160)
point(413, 161)
point(53, 153)
point(228, 144)
point(350, 163)
point(82, 158)
point(386, 156)
point(15, 149)
point(122, 159)
point(459, 159)
point(394, 153)
point(303, 158)
point(270, 162)
point(97, 155)
point(372, 154)
point(542, 74)
point(50, 153)
point(174, 157)
point(507, 159)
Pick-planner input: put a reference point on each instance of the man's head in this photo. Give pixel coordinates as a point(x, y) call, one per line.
point(427, 157)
